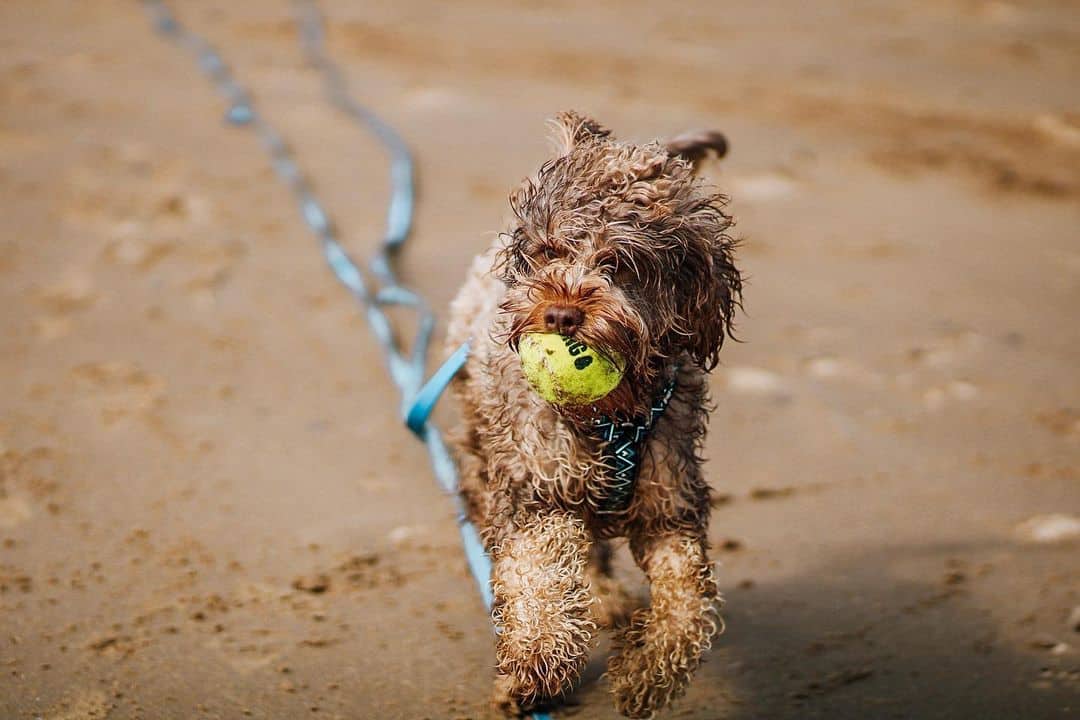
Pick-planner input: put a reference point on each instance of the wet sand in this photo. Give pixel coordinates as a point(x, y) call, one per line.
point(208, 508)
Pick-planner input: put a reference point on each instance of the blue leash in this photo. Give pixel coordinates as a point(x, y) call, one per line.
point(417, 417)
point(406, 369)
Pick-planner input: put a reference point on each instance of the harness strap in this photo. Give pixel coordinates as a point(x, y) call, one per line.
point(624, 443)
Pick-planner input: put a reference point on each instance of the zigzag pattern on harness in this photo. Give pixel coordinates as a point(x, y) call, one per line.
point(624, 442)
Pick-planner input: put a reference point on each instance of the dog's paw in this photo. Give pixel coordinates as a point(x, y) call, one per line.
point(504, 700)
point(634, 687)
point(508, 700)
point(643, 673)
point(537, 679)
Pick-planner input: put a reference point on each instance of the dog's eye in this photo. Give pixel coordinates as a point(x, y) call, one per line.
point(548, 253)
point(522, 264)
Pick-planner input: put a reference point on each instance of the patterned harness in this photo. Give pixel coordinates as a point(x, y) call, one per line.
point(624, 443)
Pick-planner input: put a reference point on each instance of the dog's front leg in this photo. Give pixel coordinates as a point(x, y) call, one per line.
point(659, 651)
point(542, 608)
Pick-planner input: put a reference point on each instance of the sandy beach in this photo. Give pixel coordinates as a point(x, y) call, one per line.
point(210, 509)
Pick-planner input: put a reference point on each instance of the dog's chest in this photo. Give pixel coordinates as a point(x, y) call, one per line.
point(587, 481)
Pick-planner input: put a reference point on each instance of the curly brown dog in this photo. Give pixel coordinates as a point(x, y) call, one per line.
point(621, 247)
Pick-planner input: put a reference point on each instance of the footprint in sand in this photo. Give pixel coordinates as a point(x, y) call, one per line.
point(83, 705)
point(134, 246)
point(119, 389)
point(73, 290)
point(146, 207)
point(27, 479)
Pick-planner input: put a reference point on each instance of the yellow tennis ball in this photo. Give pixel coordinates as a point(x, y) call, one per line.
point(565, 371)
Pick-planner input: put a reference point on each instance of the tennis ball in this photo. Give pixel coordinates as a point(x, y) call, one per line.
point(565, 371)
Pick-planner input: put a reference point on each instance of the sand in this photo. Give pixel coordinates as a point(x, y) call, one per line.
point(209, 509)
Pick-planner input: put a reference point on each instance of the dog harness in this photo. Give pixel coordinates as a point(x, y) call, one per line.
point(624, 443)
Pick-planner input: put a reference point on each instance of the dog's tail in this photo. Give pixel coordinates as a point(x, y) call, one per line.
point(696, 145)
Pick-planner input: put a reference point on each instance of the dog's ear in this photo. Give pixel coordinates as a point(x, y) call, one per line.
point(710, 285)
point(696, 145)
point(573, 129)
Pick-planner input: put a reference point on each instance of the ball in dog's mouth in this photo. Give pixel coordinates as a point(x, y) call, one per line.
point(565, 371)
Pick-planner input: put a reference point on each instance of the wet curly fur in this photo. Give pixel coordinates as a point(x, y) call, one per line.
point(622, 247)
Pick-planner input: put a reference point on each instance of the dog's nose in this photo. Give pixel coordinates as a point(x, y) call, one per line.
point(563, 319)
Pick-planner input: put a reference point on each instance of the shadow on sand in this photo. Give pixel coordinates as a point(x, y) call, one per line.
point(860, 639)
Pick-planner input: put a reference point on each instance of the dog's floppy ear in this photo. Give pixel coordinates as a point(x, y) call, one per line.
point(573, 129)
point(696, 145)
point(712, 289)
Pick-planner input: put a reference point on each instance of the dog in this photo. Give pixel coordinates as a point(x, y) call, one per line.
point(623, 248)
